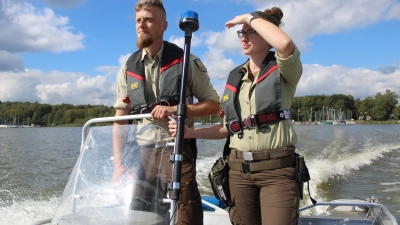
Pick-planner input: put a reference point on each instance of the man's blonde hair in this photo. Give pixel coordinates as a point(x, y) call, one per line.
point(144, 4)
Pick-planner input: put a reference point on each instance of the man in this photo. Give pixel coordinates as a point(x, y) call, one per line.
point(150, 82)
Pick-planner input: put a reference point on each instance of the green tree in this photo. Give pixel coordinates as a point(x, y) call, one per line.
point(396, 112)
point(328, 102)
point(384, 105)
point(366, 106)
point(40, 112)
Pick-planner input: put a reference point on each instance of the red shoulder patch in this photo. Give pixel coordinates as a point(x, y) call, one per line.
point(126, 100)
point(221, 113)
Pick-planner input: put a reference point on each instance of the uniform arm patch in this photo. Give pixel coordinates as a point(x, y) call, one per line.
point(200, 65)
point(225, 98)
point(134, 86)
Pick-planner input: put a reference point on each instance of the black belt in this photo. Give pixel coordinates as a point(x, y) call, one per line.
point(272, 164)
point(262, 121)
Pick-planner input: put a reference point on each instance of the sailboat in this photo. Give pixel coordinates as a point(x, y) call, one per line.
point(340, 119)
point(327, 121)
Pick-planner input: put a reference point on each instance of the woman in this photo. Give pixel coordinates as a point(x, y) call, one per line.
point(256, 104)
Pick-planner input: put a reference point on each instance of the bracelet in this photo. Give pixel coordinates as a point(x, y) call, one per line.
point(249, 19)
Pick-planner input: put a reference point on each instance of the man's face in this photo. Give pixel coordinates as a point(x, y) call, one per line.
point(150, 26)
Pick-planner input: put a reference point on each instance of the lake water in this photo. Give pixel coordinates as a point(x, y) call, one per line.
point(345, 161)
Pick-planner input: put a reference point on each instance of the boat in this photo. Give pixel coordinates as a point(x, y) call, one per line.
point(325, 122)
point(91, 198)
point(338, 122)
point(348, 211)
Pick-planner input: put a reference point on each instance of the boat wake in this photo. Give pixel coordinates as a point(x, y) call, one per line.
point(24, 211)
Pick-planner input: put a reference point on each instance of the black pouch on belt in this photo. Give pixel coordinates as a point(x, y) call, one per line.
point(219, 176)
point(219, 179)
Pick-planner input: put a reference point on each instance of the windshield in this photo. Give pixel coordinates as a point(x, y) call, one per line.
point(124, 183)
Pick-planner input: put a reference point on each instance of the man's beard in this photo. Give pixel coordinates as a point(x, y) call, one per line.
point(144, 41)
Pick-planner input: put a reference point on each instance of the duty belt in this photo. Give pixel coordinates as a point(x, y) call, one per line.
point(272, 164)
point(260, 120)
point(147, 109)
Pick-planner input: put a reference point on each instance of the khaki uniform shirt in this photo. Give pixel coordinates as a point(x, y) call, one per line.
point(198, 83)
point(281, 134)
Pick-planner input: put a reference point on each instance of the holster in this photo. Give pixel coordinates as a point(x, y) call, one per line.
point(302, 174)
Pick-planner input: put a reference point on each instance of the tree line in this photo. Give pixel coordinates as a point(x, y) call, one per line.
point(306, 108)
point(379, 108)
point(26, 113)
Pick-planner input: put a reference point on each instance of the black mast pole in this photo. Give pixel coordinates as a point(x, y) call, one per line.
point(189, 23)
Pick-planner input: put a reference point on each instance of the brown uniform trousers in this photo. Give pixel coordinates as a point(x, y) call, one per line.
point(189, 209)
point(267, 197)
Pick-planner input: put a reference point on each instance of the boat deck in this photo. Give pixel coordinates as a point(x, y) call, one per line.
point(346, 211)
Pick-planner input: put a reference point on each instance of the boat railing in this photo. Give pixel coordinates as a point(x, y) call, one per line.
point(340, 203)
point(381, 209)
point(109, 119)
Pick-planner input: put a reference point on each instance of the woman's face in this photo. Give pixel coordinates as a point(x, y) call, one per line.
point(252, 43)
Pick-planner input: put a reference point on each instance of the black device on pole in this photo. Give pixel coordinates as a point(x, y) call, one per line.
point(189, 23)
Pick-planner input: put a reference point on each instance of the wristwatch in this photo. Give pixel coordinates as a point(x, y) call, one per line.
point(252, 16)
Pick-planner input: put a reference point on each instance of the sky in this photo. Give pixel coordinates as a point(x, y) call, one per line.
point(70, 51)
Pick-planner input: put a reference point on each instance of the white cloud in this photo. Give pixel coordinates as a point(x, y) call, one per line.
point(360, 83)
point(226, 39)
point(217, 64)
point(27, 29)
point(57, 87)
point(19, 86)
point(180, 41)
point(394, 12)
point(9, 62)
point(306, 18)
point(123, 58)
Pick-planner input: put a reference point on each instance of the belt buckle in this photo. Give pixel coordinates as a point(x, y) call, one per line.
point(246, 167)
point(249, 122)
point(265, 128)
point(237, 125)
point(248, 156)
